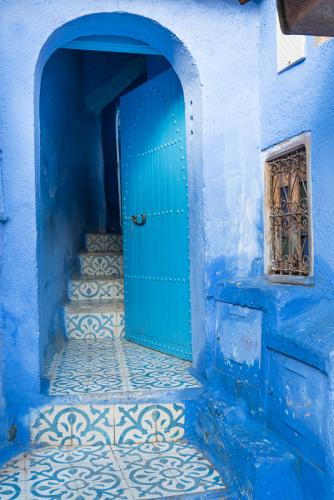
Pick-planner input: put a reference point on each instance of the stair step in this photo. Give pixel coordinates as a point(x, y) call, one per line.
point(95, 306)
point(101, 264)
point(96, 288)
point(105, 424)
point(93, 320)
point(103, 242)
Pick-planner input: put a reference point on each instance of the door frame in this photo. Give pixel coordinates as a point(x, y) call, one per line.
point(169, 45)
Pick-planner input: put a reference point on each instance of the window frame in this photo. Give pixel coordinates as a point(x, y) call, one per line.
point(277, 150)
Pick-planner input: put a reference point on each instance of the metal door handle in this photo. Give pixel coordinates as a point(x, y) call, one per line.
point(135, 219)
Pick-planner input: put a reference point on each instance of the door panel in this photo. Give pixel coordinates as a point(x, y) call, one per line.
point(154, 183)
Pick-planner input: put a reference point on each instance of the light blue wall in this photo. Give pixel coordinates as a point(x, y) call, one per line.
point(70, 185)
point(297, 100)
point(271, 344)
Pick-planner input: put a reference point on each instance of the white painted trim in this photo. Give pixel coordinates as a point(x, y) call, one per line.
point(290, 49)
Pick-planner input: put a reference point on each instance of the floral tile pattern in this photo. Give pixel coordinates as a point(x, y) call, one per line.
point(170, 420)
point(135, 423)
point(95, 424)
point(101, 264)
point(164, 469)
point(110, 472)
point(96, 289)
point(103, 242)
point(111, 366)
point(72, 425)
point(97, 322)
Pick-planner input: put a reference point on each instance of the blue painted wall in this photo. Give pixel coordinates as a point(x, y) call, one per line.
point(269, 344)
point(236, 107)
point(71, 189)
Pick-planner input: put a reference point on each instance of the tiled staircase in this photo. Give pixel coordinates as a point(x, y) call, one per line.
point(119, 418)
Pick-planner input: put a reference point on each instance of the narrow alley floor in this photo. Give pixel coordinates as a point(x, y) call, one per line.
point(147, 470)
point(115, 366)
point(116, 423)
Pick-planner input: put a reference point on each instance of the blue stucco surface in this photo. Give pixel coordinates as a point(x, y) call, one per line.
point(70, 186)
point(237, 107)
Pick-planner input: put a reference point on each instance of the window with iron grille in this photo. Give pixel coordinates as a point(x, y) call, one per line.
point(289, 225)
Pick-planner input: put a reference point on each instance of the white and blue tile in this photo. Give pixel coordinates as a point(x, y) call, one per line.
point(170, 421)
point(135, 423)
point(106, 365)
point(51, 426)
point(96, 289)
point(85, 383)
point(73, 425)
point(97, 424)
point(101, 264)
point(103, 242)
point(158, 470)
point(13, 479)
point(147, 470)
point(94, 325)
point(94, 425)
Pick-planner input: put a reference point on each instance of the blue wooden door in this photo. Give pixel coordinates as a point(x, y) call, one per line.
point(155, 216)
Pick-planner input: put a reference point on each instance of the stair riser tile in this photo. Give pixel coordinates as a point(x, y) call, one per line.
point(73, 425)
point(84, 326)
point(87, 425)
point(103, 243)
point(96, 290)
point(101, 265)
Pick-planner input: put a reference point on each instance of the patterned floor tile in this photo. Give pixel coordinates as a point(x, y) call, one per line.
point(128, 472)
point(94, 425)
point(93, 324)
point(13, 479)
point(75, 473)
point(51, 426)
point(88, 383)
point(135, 423)
point(103, 366)
point(73, 425)
point(99, 424)
point(101, 264)
point(103, 242)
point(170, 420)
point(165, 469)
point(96, 288)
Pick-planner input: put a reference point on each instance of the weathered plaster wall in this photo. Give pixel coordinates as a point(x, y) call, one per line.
point(213, 65)
point(280, 369)
point(236, 105)
point(220, 64)
point(70, 185)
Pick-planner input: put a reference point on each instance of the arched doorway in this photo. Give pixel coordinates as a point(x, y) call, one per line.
point(164, 43)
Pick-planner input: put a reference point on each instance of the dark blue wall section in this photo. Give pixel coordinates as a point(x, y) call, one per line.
point(110, 168)
point(71, 191)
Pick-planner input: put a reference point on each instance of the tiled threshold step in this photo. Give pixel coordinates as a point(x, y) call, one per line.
point(150, 470)
point(107, 368)
point(89, 319)
point(107, 424)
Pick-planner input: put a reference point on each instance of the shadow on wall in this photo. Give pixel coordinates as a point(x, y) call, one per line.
point(71, 191)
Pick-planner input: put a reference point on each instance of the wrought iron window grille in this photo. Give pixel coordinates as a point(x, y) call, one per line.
point(289, 213)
